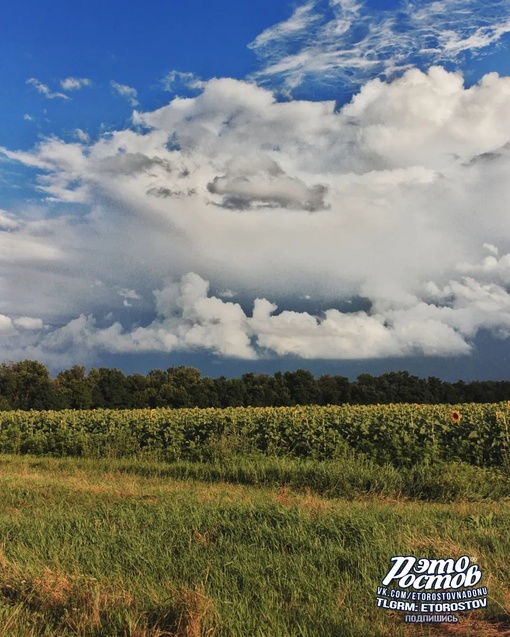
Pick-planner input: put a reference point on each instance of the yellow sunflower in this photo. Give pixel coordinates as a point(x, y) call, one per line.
point(455, 416)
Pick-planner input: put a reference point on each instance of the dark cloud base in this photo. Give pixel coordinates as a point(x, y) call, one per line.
point(489, 361)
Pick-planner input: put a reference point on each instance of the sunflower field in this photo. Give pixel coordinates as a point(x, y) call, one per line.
point(400, 434)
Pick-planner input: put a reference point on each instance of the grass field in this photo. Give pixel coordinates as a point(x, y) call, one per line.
point(260, 547)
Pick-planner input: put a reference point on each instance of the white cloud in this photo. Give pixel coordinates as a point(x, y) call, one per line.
point(177, 80)
point(75, 83)
point(491, 269)
point(422, 118)
point(82, 136)
point(189, 319)
point(7, 220)
point(226, 294)
point(45, 90)
point(128, 294)
point(6, 326)
point(131, 94)
point(28, 323)
point(20, 247)
point(491, 248)
point(398, 199)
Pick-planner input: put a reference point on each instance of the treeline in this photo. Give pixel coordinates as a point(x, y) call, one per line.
point(28, 385)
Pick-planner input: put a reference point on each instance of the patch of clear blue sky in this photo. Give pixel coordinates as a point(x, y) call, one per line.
point(127, 41)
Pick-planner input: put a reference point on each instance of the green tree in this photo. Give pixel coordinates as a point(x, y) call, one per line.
point(333, 390)
point(302, 387)
point(27, 385)
point(74, 388)
point(109, 388)
point(230, 392)
point(137, 388)
point(367, 390)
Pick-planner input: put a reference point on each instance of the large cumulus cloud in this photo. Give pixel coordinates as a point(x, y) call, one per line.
point(397, 198)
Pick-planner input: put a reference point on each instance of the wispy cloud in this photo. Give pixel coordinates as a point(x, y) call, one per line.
point(332, 41)
point(176, 80)
point(45, 90)
point(301, 20)
point(7, 221)
point(82, 135)
point(131, 94)
point(75, 83)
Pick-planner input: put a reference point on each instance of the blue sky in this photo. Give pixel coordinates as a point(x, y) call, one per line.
point(256, 186)
point(128, 42)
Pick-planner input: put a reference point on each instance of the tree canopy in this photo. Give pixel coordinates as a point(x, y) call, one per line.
point(28, 385)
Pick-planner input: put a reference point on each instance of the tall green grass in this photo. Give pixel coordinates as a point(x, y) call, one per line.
point(119, 547)
point(352, 476)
